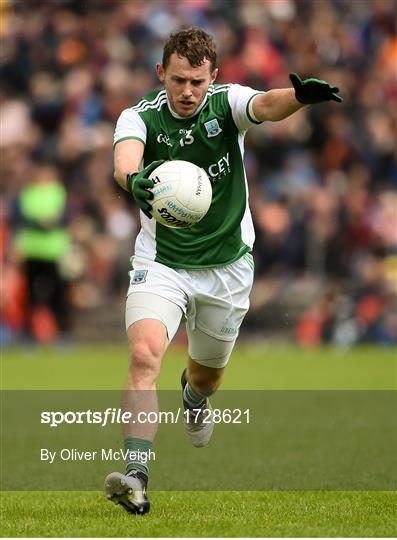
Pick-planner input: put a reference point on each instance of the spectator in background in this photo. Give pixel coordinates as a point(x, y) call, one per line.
point(41, 242)
point(327, 176)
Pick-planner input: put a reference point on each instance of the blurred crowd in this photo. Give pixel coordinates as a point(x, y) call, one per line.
point(322, 183)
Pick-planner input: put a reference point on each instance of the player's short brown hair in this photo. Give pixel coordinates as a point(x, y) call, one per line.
point(192, 43)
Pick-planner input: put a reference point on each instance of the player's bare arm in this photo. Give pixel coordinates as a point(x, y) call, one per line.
point(275, 105)
point(278, 104)
point(128, 155)
point(127, 158)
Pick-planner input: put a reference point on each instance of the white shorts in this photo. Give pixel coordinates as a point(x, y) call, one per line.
point(213, 301)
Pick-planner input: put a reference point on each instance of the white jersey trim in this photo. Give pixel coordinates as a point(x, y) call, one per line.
point(130, 126)
point(246, 225)
point(240, 98)
point(144, 100)
point(150, 104)
point(145, 243)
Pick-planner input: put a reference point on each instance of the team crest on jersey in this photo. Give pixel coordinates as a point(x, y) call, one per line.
point(139, 276)
point(212, 127)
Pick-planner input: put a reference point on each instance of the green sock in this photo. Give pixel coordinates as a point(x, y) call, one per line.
point(139, 454)
point(192, 398)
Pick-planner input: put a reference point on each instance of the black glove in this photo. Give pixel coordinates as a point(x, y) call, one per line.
point(313, 90)
point(139, 185)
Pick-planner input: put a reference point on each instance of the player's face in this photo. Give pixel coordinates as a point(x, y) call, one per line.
point(186, 86)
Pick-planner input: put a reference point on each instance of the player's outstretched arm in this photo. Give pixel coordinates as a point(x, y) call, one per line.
point(280, 103)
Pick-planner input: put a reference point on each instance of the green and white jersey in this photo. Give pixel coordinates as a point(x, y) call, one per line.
point(212, 138)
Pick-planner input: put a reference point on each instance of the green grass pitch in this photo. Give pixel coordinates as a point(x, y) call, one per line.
point(204, 514)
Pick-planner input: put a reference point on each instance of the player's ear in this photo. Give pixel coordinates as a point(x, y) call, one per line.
point(214, 75)
point(160, 72)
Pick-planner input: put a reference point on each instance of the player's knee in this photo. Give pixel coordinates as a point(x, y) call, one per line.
point(145, 360)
